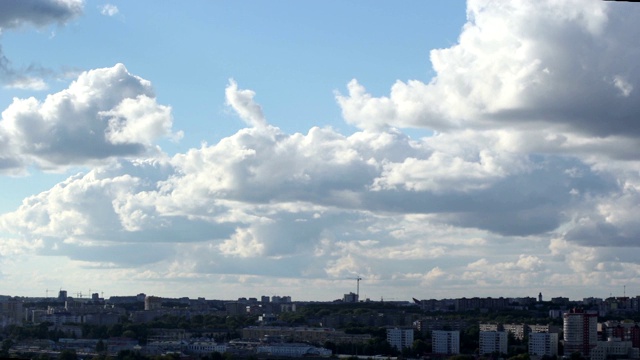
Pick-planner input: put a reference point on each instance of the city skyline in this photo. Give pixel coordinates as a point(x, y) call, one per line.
point(432, 150)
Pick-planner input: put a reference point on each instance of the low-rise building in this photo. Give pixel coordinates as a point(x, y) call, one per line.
point(292, 350)
point(304, 334)
point(614, 348)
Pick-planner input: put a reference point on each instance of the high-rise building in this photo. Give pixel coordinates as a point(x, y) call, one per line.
point(400, 338)
point(350, 298)
point(11, 312)
point(580, 332)
point(542, 344)
point(493, 342)
point(152, 303)
point(445, 342)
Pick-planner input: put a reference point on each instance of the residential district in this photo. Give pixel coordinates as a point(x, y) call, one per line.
point(150, 327)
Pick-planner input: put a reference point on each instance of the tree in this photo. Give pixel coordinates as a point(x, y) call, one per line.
point(520, 357)
point(576, 356)
point(129, 334)
point(420, 347)
point(6, 345)
point(101, 347)
point(68, 355)
point(115, 330)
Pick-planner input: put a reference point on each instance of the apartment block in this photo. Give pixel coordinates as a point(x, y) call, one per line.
point(580, 332)
point(400, 338)
point(492, 342)
point(542, 344)
point(445, 342)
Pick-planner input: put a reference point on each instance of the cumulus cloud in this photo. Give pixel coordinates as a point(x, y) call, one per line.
point(568, 66)
point(104, 113)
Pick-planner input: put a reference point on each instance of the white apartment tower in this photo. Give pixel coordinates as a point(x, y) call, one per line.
point(445, 342)
point(580, 332)
point(400, 338)
point(542, 344)
point(493, 341)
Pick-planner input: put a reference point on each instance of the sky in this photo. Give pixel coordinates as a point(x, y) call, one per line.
point(226, 149)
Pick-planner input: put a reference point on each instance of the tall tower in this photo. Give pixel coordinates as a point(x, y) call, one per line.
point(580, 332)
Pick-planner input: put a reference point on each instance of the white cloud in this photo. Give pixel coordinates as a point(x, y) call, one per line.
point(623, 85)
point(108, 10)
point(27, 83)
point(69, 127)
point(241, 101)
point(517, 65)
point(14, 13)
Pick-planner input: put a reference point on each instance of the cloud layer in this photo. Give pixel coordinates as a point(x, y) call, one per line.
point(528, 182)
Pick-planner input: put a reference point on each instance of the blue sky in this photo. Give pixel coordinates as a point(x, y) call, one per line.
point(436, 149)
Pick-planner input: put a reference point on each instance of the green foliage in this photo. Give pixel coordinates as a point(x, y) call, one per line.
point(293, 318)
point(520, 357)
point(576, 356)
point(101, 347)
point(420, 347)
point(129, 334)
point(129, 355)
point(6, 346)
point(462, 357)
point(68, 355)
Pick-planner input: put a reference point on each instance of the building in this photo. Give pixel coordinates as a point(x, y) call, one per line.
point(490, 327)
point(303, 334)
point(625, 331)
point(445, 342)
point(580, 332)
point(614, 348)
point(543, 329)
point(493, 342)
point(542, 344)
point(350, 298)
point(517, 330)
point(152, 303)
point(11, 312)
point(293, 350)
point(400, 338)
point(205, 347)
point(427, 325)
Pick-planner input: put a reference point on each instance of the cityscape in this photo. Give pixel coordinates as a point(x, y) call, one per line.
point(146, 326)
